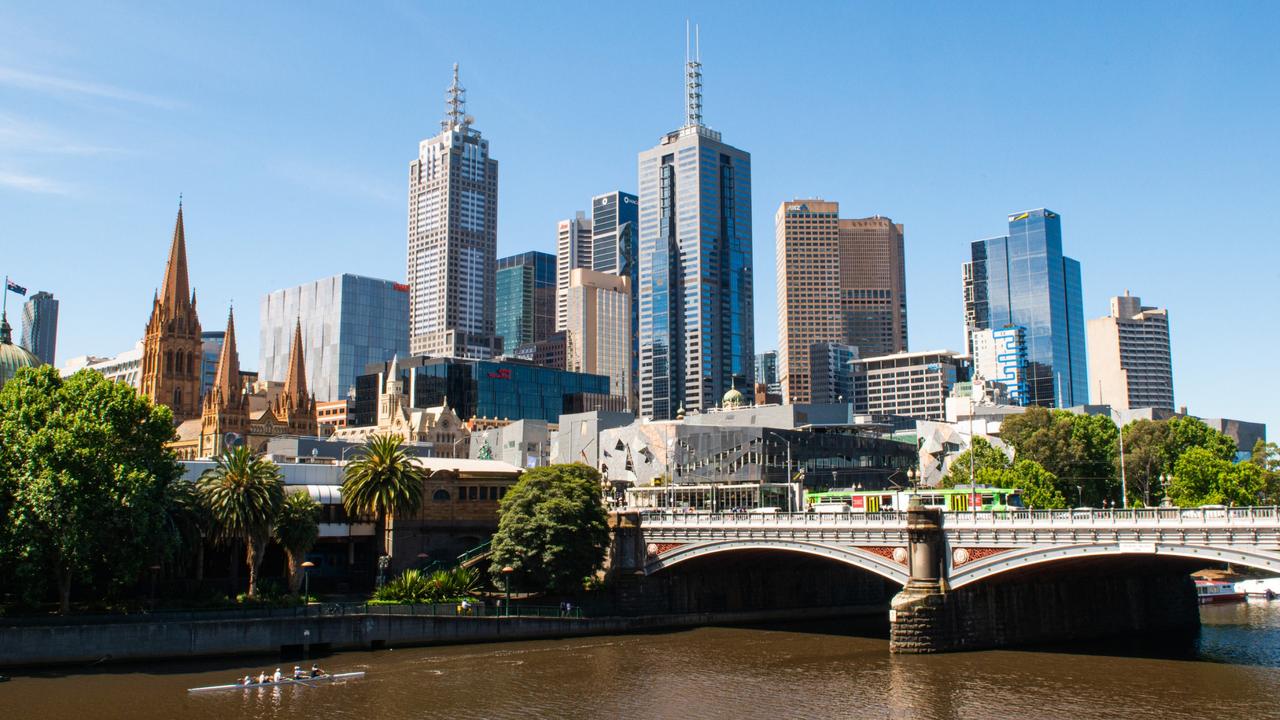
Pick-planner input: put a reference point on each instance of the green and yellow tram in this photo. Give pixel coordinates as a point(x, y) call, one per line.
point(954, 499)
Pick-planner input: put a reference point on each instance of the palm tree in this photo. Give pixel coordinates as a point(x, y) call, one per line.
point(382, 480)
point(243, 493)
point(297, 527)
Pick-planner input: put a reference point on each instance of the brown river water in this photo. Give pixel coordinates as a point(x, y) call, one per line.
point(839, 669)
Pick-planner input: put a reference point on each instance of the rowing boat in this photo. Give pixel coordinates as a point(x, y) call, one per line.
point(282, 681)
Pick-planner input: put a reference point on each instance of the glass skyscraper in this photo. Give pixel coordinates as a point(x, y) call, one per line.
point(615, 218)
point(526, 299)
point(1023, 279)
point(348, 322)
point(695, 318)
point(40, 326)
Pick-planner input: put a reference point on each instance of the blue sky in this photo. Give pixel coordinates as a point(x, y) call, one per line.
point(288, 127)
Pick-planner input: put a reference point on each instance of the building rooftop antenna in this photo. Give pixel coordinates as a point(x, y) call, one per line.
point(693, 78)
point(455, 115)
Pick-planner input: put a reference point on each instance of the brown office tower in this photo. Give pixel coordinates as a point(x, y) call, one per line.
point(839, 281)
point(171, 355)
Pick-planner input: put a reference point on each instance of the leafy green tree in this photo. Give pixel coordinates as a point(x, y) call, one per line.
point(552, 529)
point(1079, 450)
point(383, 480)
point(1146, 458)
point(1188, 432)
point(296, 528)
point(1039, 486)
point(1202, 477)
point(989, 457)
point(243, 493)
point(84, 476)
point(1266, 456)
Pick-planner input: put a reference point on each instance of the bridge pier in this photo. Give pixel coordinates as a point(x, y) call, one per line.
point(1085, 602)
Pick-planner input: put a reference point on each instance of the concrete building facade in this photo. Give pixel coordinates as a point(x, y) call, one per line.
point(840, 280)
point(912, 384)
point(573, 250)
point(1000, 355)
point(1130, 361)
point(453, 239)
point(598, 327)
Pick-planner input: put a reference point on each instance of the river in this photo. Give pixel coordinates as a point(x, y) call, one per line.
point(843, 670)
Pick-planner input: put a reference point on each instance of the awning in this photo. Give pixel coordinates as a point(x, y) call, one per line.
point(323, 494)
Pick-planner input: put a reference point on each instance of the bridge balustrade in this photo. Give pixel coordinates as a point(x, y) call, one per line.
point(1268, 516)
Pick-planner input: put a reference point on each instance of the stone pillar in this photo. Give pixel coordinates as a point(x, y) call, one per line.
point(919, 616)
point(626, 544)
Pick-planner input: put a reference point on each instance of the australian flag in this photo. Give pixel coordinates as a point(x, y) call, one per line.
point(12, 286)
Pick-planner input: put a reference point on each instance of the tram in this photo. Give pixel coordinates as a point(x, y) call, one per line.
point(961, 498)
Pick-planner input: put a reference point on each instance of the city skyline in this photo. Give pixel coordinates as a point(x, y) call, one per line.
point(1187, 151)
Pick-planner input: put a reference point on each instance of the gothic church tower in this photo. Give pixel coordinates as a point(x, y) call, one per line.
point(171, 348)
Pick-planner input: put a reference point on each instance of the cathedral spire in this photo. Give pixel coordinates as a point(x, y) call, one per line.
point(295, 381)
point(226, 380)
point(176, 289)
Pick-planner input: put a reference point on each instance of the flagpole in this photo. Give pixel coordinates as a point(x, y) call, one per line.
point(5, 305)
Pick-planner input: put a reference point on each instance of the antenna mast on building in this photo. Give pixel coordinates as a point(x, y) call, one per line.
point(456, 104)
point(693, 78)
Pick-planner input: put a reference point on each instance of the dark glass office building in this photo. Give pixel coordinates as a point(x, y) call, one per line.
point(526, 298)
point(509, 389)
point(1024, 279)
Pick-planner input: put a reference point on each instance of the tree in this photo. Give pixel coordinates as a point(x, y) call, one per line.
point(243, 493)
point(989, 458)
point(1188, 432)
point(1039, 486)
point(84, 474)
point(1079, 450)
point(296, 528)
point(1202, 477)
point(382, 480)
point(1146, 458)
point(552, 528)
point(1266, 456)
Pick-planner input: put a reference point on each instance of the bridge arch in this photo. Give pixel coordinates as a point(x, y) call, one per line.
point(854, 556)
point(1022, 558)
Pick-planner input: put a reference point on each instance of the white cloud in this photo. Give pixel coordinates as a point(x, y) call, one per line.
point(31, 183)
point(20, 136)
point(62, 86)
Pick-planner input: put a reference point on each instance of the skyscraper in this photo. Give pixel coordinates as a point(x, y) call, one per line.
point(1129, 357)
point(573, 250)
point(615, 219)
point(1024, 279)
point(873, 285)
point(598, 329)
point(526, 299)
point(695, 319)
point(840, 280)
point(767, 371)
point(40, 326)
point(171, 355)
point(348, 321)
point(453, 239)
point(1001, 356)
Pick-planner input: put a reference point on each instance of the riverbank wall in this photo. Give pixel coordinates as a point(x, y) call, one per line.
point(25, 647)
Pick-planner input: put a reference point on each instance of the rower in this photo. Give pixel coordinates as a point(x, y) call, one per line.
point(247, 680)
point(297, 672)
point(315, 670)
point(262, 677)
point(277, 676)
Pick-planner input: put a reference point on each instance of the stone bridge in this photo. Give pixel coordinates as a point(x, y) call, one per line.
point(985, 579)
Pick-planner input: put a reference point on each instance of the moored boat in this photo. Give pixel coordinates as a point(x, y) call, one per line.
point(1268, 588)
point(282, 681)
point(1216, 591)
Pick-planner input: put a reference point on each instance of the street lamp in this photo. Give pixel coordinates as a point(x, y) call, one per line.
point(306, 582)
point(506, 582)
point(384, 561)
point(790, 472)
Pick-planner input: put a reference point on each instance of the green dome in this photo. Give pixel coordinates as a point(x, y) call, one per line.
point(12, 357)
point(733, 398)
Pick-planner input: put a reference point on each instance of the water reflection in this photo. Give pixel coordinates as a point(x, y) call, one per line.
point(836, 670)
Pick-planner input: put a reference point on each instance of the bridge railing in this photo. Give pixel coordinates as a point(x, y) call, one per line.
point(1204, 516)
point(704, 518)
point(1265, 515)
